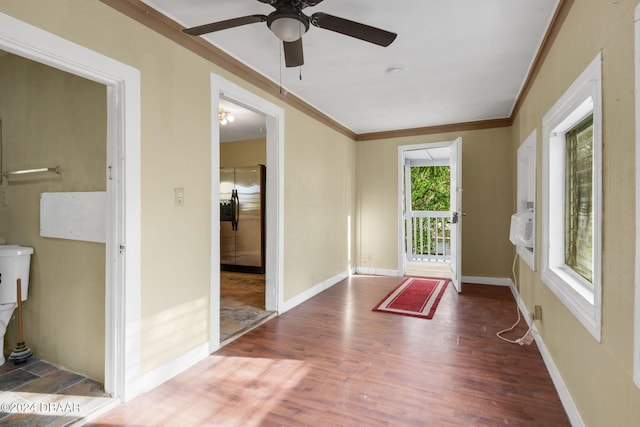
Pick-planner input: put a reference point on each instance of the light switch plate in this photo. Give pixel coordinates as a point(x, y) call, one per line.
point(179, 196)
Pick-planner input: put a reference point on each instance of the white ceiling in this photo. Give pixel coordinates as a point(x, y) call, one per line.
point(438, 154)
point(459, 60)
point(246, 124)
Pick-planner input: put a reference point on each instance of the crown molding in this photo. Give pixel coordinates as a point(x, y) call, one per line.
point(564, 6)
point(430, 130)
point(151, 18)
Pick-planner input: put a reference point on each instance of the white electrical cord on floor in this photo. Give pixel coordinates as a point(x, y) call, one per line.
point(526, 338)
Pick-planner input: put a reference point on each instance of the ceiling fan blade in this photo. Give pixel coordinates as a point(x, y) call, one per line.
point(293, 56)
point(353, 29)
point(223, 25)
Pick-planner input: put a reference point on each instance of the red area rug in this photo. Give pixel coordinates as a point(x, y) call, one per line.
point(417, 297)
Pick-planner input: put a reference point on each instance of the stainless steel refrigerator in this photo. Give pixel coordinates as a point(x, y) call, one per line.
point(242, 200)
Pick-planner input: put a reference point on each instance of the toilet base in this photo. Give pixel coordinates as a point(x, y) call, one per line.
point(6, 311)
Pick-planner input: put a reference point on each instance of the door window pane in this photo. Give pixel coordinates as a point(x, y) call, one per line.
point(430, 187)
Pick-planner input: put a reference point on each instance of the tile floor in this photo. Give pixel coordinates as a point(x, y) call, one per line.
point(241, 304)
point(37, 394)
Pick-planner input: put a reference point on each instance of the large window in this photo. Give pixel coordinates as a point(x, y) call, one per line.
point(571, 196)
point(578, 205)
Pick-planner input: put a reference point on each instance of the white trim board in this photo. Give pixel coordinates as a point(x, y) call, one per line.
point(153, 378)
point(372, 271)
point(122, 281)
point(493, 281)
point(312, 292)
point(581, 297)
point(526, 193)
point(636, 316)
point(274, 268)
point(563, 392)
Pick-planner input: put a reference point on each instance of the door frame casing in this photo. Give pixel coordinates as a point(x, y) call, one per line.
point(274, 221)
point(401, 184)
point(122, 246)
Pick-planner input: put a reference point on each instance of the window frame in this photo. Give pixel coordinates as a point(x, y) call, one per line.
point(581, 297)
point(636, 317)
point(526, 193)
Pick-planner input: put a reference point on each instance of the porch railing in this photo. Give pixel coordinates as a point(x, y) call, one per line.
point(428, 236)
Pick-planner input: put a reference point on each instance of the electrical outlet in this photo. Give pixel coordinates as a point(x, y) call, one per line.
point(537, 312)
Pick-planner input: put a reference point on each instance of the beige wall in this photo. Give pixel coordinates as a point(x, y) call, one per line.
point(176, 103)
point(243, 153)
point(598, 375)
point(487, 201)
point(319, 201)
point(54, 118)
point(320, 189)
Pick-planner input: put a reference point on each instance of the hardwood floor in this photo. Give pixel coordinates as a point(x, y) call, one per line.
point(333, 362)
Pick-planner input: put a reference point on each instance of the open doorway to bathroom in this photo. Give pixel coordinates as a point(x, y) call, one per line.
point(54, 151)
point(243, 171)
point(121, 264)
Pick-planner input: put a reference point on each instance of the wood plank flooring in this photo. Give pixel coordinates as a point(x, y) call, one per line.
point(333, 362)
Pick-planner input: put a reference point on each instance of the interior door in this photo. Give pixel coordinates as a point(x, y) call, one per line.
point(455, 170)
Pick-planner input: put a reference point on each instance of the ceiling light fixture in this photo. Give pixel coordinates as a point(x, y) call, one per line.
point(288, 26)
point(225, 117)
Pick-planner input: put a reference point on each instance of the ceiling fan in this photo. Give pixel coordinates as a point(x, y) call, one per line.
point(289, 23)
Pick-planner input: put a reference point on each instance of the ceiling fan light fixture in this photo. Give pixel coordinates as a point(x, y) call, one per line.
point(289, 27)
point(225, 117)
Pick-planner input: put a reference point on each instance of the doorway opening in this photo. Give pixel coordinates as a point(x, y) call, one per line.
point(429, 206)
point(122, 246)
point(264, 148)
point(243, 172)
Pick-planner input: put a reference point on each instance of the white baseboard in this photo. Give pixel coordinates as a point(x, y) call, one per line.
point(481, 280)
point(563, 392)
point(315, 290)
point(377, 271)
point(159, 375)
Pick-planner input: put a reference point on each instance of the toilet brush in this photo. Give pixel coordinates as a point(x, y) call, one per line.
point(21, 353)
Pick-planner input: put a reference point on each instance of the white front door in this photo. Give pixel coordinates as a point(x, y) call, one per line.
point(456, 212)
point(429, 244)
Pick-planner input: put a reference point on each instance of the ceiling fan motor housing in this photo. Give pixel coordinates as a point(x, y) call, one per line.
point(288, 23)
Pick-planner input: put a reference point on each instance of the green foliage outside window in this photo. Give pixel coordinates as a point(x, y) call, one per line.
point(430, 186)
point(578, 240)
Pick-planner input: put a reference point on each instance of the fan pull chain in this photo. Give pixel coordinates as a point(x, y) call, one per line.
point(280, 50)
point(300, 68)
